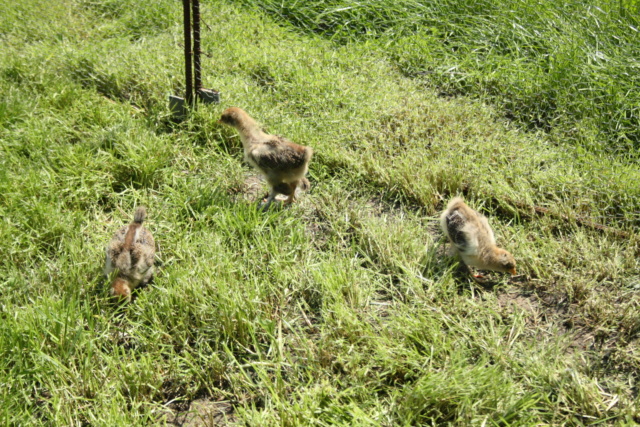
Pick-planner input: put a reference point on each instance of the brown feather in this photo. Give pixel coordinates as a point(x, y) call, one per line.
point(473, 238)
point(283, 162)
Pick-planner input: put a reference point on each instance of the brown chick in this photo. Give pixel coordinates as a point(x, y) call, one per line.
point(473, 239)
point(131, 254)
point(283, 163)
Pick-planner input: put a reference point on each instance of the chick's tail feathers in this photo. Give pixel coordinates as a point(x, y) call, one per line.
point(138, 218)
point(308, 153)
point(139, 215)
point(304, 184)
point(455, 203)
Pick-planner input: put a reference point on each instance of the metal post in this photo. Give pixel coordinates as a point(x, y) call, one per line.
point(187, 53)
point(195, 9)
point(180, 106)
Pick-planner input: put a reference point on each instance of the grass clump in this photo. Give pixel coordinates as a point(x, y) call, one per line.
point(344, 308)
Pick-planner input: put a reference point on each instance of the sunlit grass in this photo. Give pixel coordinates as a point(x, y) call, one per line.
point(343, 309)
point(568, 68)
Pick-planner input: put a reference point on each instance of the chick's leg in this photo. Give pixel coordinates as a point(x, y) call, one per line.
point(272, 195)
point(478, 277)
point(292, 193)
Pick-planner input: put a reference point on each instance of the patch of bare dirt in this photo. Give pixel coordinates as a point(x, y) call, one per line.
point(552, 313)
point(254, 187)
point(529, 304)
point(202, 413)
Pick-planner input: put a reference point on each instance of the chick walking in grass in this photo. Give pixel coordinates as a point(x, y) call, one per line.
point(471, 236)
point(283, 163)
point(131, 253)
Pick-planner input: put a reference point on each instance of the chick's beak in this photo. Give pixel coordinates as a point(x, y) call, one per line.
point(513, 271)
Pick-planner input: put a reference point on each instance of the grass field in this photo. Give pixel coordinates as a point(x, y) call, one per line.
point(343, 309)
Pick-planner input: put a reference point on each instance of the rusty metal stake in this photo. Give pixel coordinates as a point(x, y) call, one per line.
point(206, 96)
point(187, 52)
point(195, 10)
point(192, 65)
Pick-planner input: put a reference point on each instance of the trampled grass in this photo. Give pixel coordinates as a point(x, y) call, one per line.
point(343, 309)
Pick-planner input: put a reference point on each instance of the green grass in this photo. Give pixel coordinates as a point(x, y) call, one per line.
point(569, 68)
point(344, 308)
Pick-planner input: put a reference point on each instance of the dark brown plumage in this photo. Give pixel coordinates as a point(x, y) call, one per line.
point(283, 163)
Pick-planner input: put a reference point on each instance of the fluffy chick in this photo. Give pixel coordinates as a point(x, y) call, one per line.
point(131, 253)
point(473, 239)
point(283, 163)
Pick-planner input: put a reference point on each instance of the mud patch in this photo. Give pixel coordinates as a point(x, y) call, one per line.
point(202, 413)
point(526, 303)
point(254, 188)
point(552, 313)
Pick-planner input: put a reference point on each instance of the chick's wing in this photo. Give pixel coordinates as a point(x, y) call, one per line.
point(278, 154)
